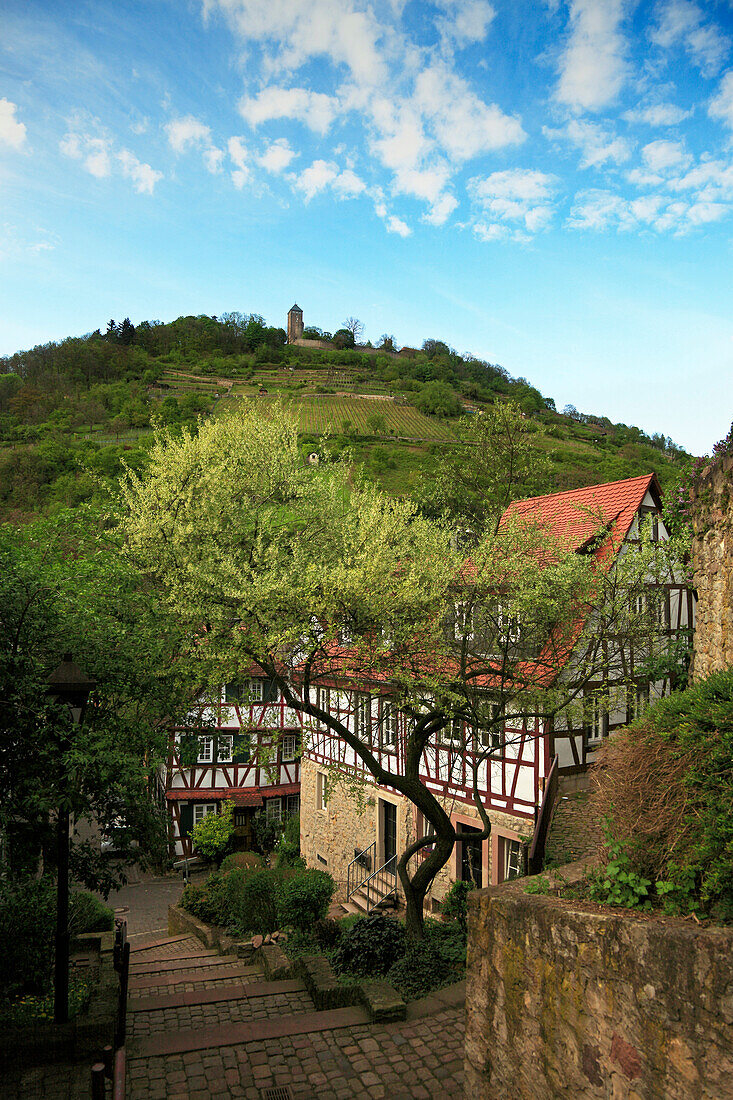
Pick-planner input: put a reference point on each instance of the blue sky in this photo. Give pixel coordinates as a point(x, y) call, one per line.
point(547, 184)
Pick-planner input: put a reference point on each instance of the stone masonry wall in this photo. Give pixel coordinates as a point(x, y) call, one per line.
point(572, 1003)
point(712, 563)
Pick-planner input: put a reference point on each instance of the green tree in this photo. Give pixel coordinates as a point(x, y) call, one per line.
point(64, 588)
point(377, 423)
point(213, 834)
point(438, 399)
point(278, 559)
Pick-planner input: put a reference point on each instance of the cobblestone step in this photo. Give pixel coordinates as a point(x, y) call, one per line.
point(168, 966)
point(234, 1034)
point(212, 994)
point(182, 1017)
point(169, 982)
point(155, 942)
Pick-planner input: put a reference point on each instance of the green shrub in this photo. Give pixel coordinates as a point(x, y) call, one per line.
point(305, 898)
point(27, 923)
point(245, 861)
point(209, 902)
point(618, 883)
point(213, 834)
point(421, 969)
point(288, 846)
point(455, 903)
point(88, 914)
point(371, 946)
point(255, 908)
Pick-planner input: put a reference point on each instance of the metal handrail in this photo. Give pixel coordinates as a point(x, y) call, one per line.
point(389, 869)
point(536, 854)
point(359, 869)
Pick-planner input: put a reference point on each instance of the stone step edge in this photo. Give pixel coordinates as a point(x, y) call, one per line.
point(158, 943)
point(207, 962)
point(163, 1043)
point(212, 995)
point(233, 972)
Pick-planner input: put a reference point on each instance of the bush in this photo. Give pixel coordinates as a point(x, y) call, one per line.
point(27, 923)
point(305, 898)
point(88, 914)
point(455, 903)
point(255, 908)
point(665, 785)
point(210, 902)
point(371, 946)
point(421, 969)
point(245, 861)
point(212, 836)
point(288, 846)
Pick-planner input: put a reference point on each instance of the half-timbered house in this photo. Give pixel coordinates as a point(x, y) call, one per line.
point(247, 752)
point(352, 837)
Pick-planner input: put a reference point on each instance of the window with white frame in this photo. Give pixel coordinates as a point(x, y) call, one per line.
point(289, 747)
point(245, 691)
point(596, 720)
point(452, 733)
point(513, 862)
point(362, 716)
point(206, 750)
point(202, 810)
point(489, 733)
point(274, 810)
point(224, 748)
point(321, 790)
point(463, 622)
point(388, 726)
point(638, 701)
point(292, 805)
point(508, 625)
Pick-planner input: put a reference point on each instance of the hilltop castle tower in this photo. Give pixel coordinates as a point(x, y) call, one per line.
point(295, 324)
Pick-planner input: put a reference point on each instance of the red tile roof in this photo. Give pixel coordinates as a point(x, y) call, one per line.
point(578, 515)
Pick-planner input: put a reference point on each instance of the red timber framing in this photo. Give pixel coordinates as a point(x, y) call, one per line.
point(248, 753)
point(511, 781)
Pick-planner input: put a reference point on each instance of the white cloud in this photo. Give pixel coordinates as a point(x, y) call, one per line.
point(592, 66)
point(316, 178)
point(12, 132)
point(603, 210)
point(662, 155)
point(396, 225)
point(185, 132)
point(465, 21)
point(239, 156)
point(597, 143)
point(441, 209)
point(213, 159)
point(297, 31)
point(348, 185)
point(658, 114)
point(681, 22)
point(721, 105)
point(277, 156)
point(143, 176)
point(711, 181)
point(517, 194)
point(313, 109)
point(463, 125)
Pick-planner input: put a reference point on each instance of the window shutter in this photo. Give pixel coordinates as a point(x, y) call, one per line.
point(186, 818)
point(269, 691)
point(241, 752)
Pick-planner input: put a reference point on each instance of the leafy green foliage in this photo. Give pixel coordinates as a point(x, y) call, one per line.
point(421, 969)
point(305, 898)
point(617, 883)
point(213, 834)
point(371, 946)
point(27, 923)
point(288, 845)
point(88, 914)
point(537, 884)
point(455, 903)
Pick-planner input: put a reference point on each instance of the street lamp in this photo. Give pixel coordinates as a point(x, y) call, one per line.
point(68, 686)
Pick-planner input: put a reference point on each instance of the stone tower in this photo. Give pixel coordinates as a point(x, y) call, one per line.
point(295, 324)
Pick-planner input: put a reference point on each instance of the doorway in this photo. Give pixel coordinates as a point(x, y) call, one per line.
point(389, 830)
point(471, 865)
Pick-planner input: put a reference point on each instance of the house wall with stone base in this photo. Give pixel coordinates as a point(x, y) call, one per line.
point(331, 836)
point(567, 1002)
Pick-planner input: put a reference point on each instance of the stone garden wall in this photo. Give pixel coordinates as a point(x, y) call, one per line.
point(712, 562)
point(566, 1001)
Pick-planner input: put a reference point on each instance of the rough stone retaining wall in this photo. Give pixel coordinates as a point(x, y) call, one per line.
point(571, 1002)
point(712, 563)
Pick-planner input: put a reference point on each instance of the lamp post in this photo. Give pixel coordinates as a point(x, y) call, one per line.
point(70, 687)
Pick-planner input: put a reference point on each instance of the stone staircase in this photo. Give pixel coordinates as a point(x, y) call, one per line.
point(378, 892)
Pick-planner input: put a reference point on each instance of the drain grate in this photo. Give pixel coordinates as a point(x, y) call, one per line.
point(280, 1092)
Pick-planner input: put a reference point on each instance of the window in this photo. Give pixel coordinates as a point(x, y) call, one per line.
point(292, 805)
point(463, 622)
point(224, 748)
point(274, 810)
point(345, 635)
point(513, 861)
point(596, 721)
point(289, 748)
point(362, 716)
point(245, 691)
point(452, 733)
point(489, 734)
point(388, 726)
point(638, 701)
point(321, 790)
point(206, 750)
point(508, 624)
point(202, 810)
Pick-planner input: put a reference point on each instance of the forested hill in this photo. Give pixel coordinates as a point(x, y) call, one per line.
point(72, 409)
